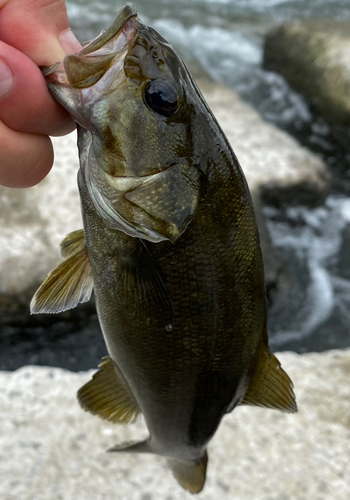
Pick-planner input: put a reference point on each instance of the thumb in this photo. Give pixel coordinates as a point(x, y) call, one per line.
point(38, 28)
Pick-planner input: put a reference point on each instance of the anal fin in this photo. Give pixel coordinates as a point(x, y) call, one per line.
point(108, 395)
point(271, 387)
point(191, 476)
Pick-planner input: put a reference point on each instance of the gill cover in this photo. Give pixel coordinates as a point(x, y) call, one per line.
point(126, 91)
point(155, 208)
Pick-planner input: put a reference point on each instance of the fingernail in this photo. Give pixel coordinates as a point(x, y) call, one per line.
point(69, 42)
point(6, 78)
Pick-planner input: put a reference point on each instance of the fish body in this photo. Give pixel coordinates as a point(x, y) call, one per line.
point(170, 246)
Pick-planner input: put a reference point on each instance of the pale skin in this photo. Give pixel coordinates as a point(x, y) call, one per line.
point(33, 33)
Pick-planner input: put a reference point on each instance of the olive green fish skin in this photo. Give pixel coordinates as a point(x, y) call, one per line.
point(171, 237)
point(185, 379)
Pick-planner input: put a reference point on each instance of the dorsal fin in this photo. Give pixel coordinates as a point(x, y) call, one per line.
point(72, 243)
point(108, 395)
point(270, 387)
point(69, 283)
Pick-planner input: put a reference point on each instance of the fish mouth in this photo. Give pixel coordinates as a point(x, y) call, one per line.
point(88, 66)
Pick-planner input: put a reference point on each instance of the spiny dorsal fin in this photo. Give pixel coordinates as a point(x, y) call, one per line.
point(271, 387)
point(68, 284)
point(72, 243)
point(190, 476)
point(108, 395)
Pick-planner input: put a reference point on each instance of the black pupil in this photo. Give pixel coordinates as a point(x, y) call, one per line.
point(161, 97)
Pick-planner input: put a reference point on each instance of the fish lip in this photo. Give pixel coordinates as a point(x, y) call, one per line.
point(127, 12)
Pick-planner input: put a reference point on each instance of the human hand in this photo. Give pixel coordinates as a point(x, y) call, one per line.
point(33, 33)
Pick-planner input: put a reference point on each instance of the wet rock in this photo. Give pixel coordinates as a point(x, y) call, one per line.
point(34, 221)
point(51, 449)
point(313, 55)
point(277, 168)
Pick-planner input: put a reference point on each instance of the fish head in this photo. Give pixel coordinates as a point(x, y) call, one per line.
point(132, 96)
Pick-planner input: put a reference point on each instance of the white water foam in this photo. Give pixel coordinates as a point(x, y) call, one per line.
point(312, 242)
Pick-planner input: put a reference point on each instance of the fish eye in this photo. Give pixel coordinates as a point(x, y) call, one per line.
point(161, 97)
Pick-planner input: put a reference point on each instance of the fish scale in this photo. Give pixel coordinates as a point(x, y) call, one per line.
point(169, 245)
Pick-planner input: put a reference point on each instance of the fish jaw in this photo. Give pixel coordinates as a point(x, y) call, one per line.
point(79, 80)
point(107, 89)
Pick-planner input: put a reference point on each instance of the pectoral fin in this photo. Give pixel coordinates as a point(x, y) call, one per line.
point(144, 286)
point(190, 476)
point(271, 387)
point(66, 286)
point(108, 395)
point(72, 243)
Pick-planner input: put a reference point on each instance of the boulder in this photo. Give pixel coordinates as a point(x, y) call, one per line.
point(34, 221)
point(277, 168)
point(313, 55)
point(50, 449)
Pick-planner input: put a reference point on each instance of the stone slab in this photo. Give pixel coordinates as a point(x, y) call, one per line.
point(50, 449)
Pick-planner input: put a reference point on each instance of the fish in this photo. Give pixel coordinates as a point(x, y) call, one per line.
point(170, 247)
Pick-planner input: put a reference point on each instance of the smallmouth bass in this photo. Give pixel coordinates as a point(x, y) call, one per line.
point(170, 246)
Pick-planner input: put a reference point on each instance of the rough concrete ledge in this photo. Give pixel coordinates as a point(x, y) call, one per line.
point(50, 449)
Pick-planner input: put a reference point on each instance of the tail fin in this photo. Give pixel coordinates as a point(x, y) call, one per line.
point(190, 476)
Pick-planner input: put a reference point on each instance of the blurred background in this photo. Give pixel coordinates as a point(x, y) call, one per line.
point(286, 65)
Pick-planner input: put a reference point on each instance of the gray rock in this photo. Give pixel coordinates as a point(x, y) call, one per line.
point(34, 221)
point(313, 55)
point(50, 449)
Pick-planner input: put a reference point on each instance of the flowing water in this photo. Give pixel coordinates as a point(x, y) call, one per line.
point(225, 38)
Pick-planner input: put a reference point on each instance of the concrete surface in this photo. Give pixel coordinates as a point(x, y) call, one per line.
point(50, 449)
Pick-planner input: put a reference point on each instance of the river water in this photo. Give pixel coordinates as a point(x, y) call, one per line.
point(225, 38)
